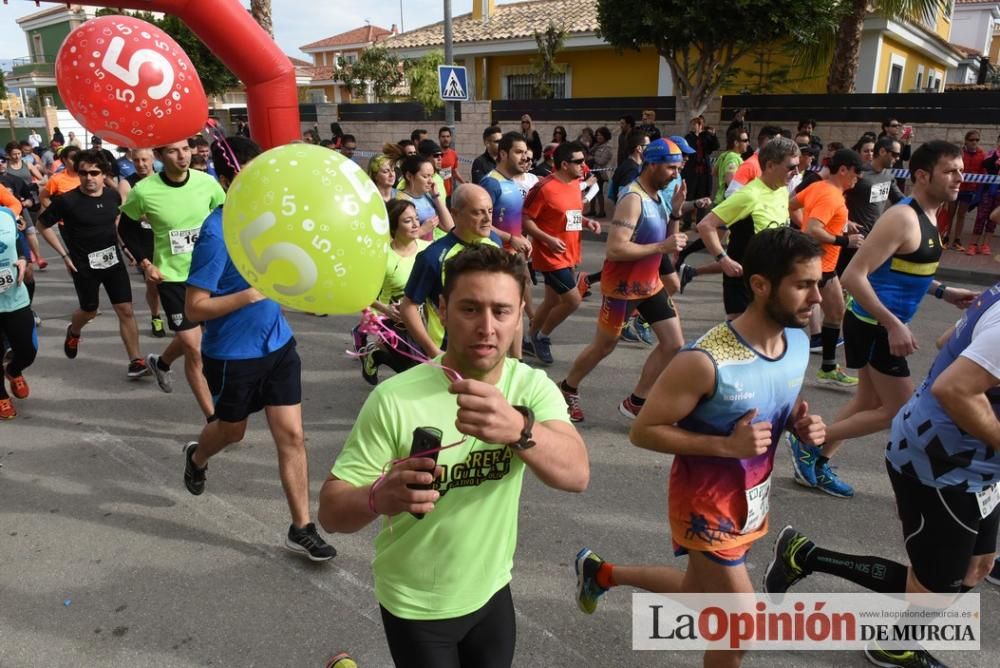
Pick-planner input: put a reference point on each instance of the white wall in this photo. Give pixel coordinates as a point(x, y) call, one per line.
point(972, 26)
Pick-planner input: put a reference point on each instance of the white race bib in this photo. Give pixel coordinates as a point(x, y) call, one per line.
point(574, 221)
point(7, 279)
point(988, 500)
point(182, 241)
point(758, 503)
point(880, 192)
point(103, 259)
point(445, 173)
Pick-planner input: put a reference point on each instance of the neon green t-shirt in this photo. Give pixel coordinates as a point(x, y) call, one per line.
point(176, 213)
point(755, 200)
point(726, 162)
point(397, 272)
point(451, 562)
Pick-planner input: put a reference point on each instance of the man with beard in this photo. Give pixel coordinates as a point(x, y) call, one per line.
point(720, 408)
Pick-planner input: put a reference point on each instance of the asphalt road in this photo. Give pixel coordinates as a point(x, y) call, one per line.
point(106, 560)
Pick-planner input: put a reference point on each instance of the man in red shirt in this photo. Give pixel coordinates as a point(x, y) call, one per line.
point(972, 163)
point(553, 217)
point(449, 162)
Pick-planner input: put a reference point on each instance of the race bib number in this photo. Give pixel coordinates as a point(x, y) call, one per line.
point(7, 279)
point(574, 221)
point(758, 503)
point(182, 241)
point(445, 173)
point(103, 259)
point(880, 192)
point(988, 500)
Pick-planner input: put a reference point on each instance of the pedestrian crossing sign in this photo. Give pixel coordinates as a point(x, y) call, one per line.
point(453, 83)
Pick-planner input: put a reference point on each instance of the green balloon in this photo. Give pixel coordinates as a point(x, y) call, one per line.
point(307, 227)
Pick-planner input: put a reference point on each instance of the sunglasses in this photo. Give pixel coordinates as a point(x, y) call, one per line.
point(578, 162)
point(743, 140)
point(438, 154)
point(94, 173)
point(893, 125)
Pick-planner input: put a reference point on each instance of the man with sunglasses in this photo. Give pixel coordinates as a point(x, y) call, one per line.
point(761, 204)
point(89, 248)
point(875, 190)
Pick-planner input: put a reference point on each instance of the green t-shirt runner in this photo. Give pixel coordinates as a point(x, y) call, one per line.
point(451, 562)
point(176, 212)
point(727, 162)
point(397, 271)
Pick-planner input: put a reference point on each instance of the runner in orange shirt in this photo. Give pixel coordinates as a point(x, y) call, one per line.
point(824, 217)
point(64, 181)
point(449, 162)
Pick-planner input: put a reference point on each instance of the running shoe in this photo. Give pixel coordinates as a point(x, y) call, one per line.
point(542, 346)
point(572, 405)
point(7, 411)
point(156, 326)
point(8, 355)
point(42, 264)
point(803, 461)
point(587, 590)
point(836, 377)
point(369, 368)
point(629, 409)
point(137, 368)
point(786, 566)
point(985, 249)
point(994, 576)
point(163, 378)
point(342, 660)
point(583, 285)
point(527, 347)
point(359, 340)
point(972, 249)
point(644, 331)
point(307, 541)
point(18, 386)
point(828, 481)
point(917, 658)
point(72, 343)
point(194, 477)
point(630, 332)
point(956, 246)
point(687, 273)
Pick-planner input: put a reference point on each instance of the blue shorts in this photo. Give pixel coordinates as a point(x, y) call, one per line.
point(560, 280)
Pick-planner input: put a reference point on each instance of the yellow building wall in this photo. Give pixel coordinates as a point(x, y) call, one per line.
point(598, 72)
point(942, 25)
point(913, 60)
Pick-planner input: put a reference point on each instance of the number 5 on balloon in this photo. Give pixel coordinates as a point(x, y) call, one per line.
point(135, 62)
point(281, 250)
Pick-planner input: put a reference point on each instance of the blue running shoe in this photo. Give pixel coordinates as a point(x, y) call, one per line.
point(542, 347)
point(803, 461)
point(644, 331)
point(828, 481)
point(629, 332)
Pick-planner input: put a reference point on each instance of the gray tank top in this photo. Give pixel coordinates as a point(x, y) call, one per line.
point(22, 172)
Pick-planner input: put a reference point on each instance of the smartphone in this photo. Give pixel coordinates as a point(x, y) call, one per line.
point(907, 131)
point(425, 439)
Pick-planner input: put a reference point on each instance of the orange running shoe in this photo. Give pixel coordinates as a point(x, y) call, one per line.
point(7, 411)
point(18, 386)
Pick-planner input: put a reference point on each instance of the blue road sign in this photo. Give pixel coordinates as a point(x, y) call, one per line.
point(453, 83)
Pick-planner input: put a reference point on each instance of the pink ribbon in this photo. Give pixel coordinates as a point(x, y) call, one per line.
point(374, 325)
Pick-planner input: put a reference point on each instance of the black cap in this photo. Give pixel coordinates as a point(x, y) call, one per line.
point(96, 140)
point(428, 147)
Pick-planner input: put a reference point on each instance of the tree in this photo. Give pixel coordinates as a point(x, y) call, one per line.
point(260, 10)
point(216, 79)
point(845, 41)
point(422, 75)
point(376, 69)
point(549, 43)
point(702, 41)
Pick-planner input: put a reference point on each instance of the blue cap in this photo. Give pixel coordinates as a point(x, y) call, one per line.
point(662, 151)
point(682, 144)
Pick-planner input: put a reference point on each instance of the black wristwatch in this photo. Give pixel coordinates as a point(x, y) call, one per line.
point(525, 442)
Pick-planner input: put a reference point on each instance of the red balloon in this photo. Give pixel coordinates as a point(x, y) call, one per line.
point(129, 82)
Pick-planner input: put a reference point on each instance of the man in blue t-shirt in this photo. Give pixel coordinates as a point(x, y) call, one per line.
point(250, 363)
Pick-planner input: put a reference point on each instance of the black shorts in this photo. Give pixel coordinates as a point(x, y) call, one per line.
point(88, 282)
point(868, 344)
point(735, 295)
point(666, 266)
point(826, 277)
point(484, 638)
point(943, 530)
point(242, 387)
point(846, 255)
point(560, 280)
point(172, 300)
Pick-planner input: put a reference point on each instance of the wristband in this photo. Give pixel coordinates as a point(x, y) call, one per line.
point(673, 217)
point(64, 256)
point(371, 494)
point(718, 258)
point(842, 240)
point(939, 291)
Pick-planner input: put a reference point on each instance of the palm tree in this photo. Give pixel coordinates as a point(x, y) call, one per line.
point(261, 12)
point(845, 44)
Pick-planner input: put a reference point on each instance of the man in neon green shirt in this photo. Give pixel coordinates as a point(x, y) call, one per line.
point(737, 141)
point(443, 581)
point(175, 202)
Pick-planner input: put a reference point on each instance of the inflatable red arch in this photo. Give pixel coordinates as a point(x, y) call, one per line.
point(228, 30)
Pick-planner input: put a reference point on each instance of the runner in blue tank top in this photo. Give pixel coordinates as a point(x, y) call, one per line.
point(943, 465)
point(887, 278)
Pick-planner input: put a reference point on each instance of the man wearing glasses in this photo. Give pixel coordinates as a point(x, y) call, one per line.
point(89, 248)
point(760, 204)
point(737, 141)
point(893, 129)
point(874, 191)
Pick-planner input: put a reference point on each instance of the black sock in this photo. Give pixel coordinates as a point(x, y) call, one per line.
point(566, 388)
point(161, 365)
point(874, 573)
point(637, 401)
point(828, 335)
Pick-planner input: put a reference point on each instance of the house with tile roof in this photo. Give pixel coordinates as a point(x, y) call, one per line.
point(497, 44)
point(325, 84)
point(974, 25)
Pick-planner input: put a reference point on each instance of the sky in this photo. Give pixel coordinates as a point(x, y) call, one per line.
point(296, 22)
